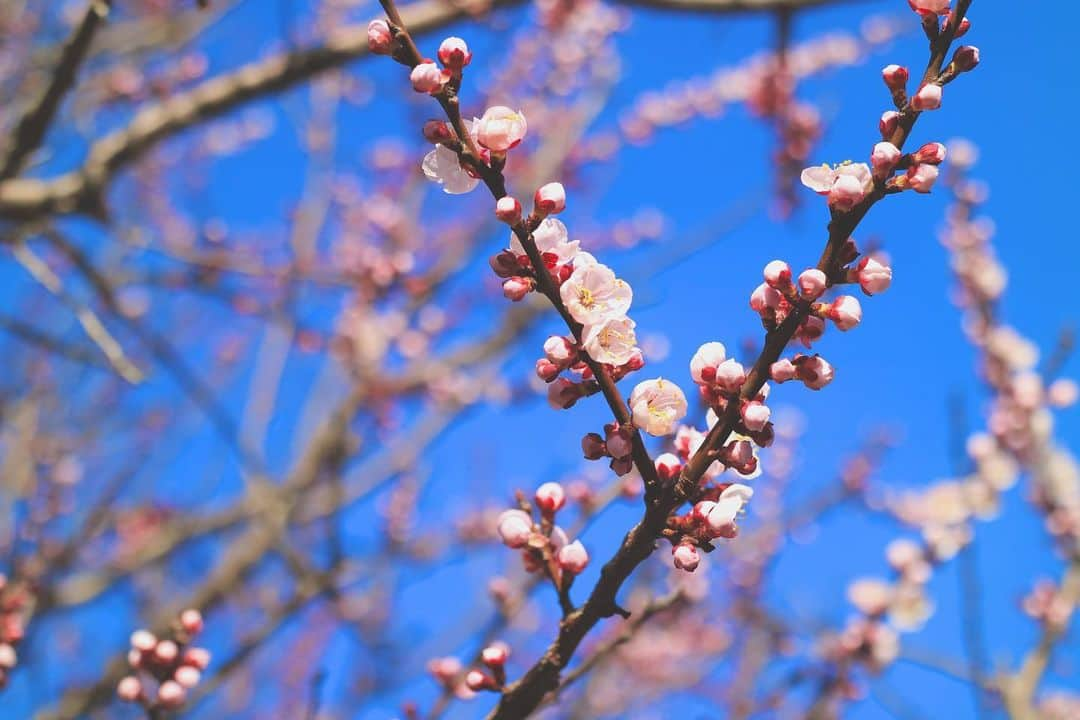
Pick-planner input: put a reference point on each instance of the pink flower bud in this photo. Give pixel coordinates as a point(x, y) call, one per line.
point(560, 350)
point(930, 7)
point(514, 528)
point(890, 120)
point(874, 277)
point(495, 655)
point(764, 299)
point(508, 210)
point(547, 370)
point(166, 651)
point(379, 38)
point(778, 275)
point(437, 131)
point(563, 393)
point(129, 689)
point(686, 557)
point(845, 312)
point(171, 694)
point(444, 669)
point(782, 370)
point(500, 128)
point(550, 199)
point(593, 447)
point(895, 76)
point(813, 283)
point(454, 53)
point(810, 331)
point(1063, 393)
point(143, 640)
point(619, 441)
point(192, 622)
point(932, 153)
point(428, 78)
point(814, 371)
point(516, 288)
point(550, 497)
point(730, 375)
point(705, 362)
point(187, 676)
point(476, 680)
point(573, 557)
point(197, 657)
point(668, 466)
point(884, 158)
point(966, 57)
point(928, 97)
point(755, 415)
point(847, 192)
point(921, 178)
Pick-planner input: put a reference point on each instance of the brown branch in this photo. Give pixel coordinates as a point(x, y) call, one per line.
point(33, 126)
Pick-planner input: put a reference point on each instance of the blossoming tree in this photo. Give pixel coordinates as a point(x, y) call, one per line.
point(167, 347)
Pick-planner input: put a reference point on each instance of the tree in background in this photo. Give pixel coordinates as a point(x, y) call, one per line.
point(241, 470)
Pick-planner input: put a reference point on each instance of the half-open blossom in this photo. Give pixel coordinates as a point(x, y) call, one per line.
point(454, 53)
point(845, 185)
point(755, 416)
point(928, 97)
point(378, 37)
point(721, 515)
point(553, 242)
point(427, 77)
point(500, 128)
point(930, 7)
point(874, 277)
point(705, 362)
point(845, 312)
point(443, 166)
point(657, 406)
point(514, 528)
point(730, 375)
point(686, 557)
point(921, 178)
point(573, 557)
point(612, 341)
point(884, 158)
point(550, 497)
point(593, 294)
point(550, 199)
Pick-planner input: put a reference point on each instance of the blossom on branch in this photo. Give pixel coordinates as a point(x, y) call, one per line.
point(657, 405)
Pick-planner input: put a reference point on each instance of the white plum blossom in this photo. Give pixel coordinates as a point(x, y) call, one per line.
point(593, 294)
point(500, 128)
point(552, 239)
point(657, 405)
point(705, 362)
point(723, 513)
point(442, 166)
point(845, 185)
point(612, 341)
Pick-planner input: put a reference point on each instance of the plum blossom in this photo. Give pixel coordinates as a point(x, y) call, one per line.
point(553, 242)
point(705, 362)
point(573, 557)
point(873, 276)
point(593, 294)
point(930, 7)
point(379, 37)
point(846, 312)
point(723, 512)
point(428, 78)
point(845, 185)
point(921, 178)
point(657, 405)
point(884, 158)
point(612, 341)
point(514, 528)
point(500, 128)
point(443, 166)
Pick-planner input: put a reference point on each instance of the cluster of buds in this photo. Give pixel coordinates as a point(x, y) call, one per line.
point(720, 380)
point(617, 443)
point(493, 675)
point(15, 598)
point(164, 670)
point(713, 516)
point(544, 545)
